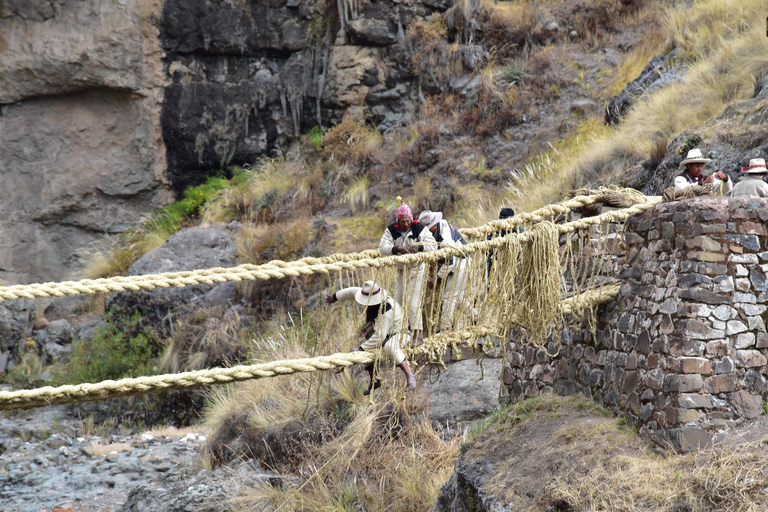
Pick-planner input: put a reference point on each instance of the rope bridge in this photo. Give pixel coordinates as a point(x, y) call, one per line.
point(511, 281)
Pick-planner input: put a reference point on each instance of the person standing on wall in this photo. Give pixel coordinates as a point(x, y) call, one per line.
point(408, 237)
point(752, 185)
point(694, 164)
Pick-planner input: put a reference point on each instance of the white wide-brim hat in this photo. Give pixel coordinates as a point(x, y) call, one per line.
point(429, 218)
point(694, 157)
point(756, 166)
point(370, 294)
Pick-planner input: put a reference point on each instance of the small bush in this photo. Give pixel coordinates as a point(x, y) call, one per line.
point(123, 348)
point(356, 194)
point(351, 142)
point(315, 138)
point(429, 54)
point(513, 72)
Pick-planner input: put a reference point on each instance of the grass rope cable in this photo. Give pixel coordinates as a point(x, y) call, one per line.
point(433, 348)
point(270, 271)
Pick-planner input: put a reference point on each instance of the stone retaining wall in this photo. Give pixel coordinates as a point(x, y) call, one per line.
point(682, 350)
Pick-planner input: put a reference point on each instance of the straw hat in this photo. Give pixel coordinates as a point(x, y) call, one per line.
point(429, 218)
point(370, 294)
point(694, 157)
point(756, 166)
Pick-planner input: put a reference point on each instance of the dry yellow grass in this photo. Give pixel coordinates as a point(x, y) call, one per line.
point(348, 452)
point(356, 194)
point(711, 480)
point(728, 48)
point(255, 199)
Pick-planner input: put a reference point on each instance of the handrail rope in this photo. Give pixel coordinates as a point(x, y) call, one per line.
point(102, 285)
point(48, 395)
point(549, 211)
point(270, 271)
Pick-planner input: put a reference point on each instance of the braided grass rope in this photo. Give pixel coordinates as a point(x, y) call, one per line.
point(508, 297)
point(583, 197)
point(272, 271)
point(132, 386)
point(612, 196)
point(433, 348)
point(540, 277)
point(670, 194)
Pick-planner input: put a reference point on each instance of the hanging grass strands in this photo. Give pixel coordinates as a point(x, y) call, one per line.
point(540, 278)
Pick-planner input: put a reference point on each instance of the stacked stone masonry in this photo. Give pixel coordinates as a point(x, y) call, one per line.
point(682, 351)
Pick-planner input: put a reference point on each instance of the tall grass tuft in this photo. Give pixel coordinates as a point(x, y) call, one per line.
point(356, 194)
point(321, 428)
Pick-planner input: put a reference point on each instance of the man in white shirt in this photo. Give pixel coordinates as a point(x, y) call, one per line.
point(694, 164)
point(752, 185)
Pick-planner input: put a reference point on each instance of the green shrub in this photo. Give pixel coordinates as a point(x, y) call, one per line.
point(124, 348)
point(169, 219)
point(691, 142)
point(315, 138)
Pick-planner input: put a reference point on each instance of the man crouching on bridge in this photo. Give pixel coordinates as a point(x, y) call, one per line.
point(383, 321)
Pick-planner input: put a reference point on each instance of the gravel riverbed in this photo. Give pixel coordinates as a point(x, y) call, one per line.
point(48, 464)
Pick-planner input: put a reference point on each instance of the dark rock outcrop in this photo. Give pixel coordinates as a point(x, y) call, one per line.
point(661, 71)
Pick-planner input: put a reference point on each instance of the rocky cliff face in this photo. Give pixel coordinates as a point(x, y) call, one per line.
point(107, 106)
point(81, 152)
point(249, 77)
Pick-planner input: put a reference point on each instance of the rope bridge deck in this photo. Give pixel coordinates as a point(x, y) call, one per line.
point(522, 289)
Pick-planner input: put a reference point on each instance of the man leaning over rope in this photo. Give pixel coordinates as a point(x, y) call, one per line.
point(408, 237)
point(453, 270)
point(691, 176)
point(383, 321)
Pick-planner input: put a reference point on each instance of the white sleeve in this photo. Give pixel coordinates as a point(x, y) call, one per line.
point(387, 244)
point(681, 183)
point(448, 241)
point(724, 187)
point(346, 294)
point(427, 240)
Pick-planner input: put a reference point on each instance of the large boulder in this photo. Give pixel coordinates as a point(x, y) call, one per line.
point(459, 394)
point(189, 249)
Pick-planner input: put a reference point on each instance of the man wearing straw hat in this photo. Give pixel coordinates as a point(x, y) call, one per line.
point(694, 164)
point(752, 185)
point(383, 321)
